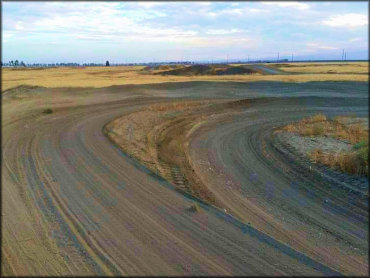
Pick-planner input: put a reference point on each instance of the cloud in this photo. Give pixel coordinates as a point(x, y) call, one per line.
point(142, 27)
point(347, 20)
point(19, 26)
point(239, 11)
point(148, 5)
point(203, 3)
point(321, 46)
point(295, 5)
point(96, 22)
point(207, 42)
point(355, 39)
point(6, 36)
point(223, 31)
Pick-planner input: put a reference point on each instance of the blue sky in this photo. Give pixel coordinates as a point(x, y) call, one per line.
point(170, 31)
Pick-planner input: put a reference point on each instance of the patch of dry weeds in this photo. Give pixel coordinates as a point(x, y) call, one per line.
point(341, 128)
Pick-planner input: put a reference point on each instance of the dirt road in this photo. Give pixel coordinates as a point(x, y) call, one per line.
point(266, 69)
point(262, 182)
point(73, 203)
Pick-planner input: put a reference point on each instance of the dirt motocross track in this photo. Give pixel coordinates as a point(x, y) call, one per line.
point(75, 204)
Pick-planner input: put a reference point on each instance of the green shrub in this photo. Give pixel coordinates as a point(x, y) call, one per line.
point(48, 111)
point(361, 144)
point(363, 154)
point(194, 208)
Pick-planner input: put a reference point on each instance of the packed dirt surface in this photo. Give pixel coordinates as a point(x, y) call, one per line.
point(158, 136)
point(75, 204)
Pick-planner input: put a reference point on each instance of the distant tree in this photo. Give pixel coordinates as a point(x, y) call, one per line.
point(107, 63)
point(11, 63)
point(16, 63)
point(23, 64)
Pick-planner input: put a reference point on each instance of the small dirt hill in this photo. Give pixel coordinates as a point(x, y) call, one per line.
point(163, 67)
point(209, 70)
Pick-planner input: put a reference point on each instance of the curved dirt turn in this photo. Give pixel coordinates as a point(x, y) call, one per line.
point(74, 204)
point(263, 183)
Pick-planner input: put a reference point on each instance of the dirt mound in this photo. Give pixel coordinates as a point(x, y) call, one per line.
point(192, 70)
point(22, 89)
point(210, 70)
point(163, 67)
point(236, 70)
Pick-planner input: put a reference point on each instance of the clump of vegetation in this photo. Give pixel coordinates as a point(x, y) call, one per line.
point(319, 125)
point(48, 111)
point(194, 208)
point(341, 127)
point(353, 162)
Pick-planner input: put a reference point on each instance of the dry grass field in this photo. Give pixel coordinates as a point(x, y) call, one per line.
point(107, 76)
point(326, 68)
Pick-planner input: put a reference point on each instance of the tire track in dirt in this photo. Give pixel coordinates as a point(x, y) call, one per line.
point(112, 215)
point(261, 186)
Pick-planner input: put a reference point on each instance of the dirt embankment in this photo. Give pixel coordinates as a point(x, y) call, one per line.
point(210, 70)
point(158, 137)
point(162, 67)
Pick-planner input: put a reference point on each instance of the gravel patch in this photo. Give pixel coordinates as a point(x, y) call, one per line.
point(304, 145)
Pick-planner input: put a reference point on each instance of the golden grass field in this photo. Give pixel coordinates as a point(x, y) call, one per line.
point(324, 68)
point(121, 75)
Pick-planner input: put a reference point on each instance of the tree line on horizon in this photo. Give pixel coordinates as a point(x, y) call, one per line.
point(17, 63)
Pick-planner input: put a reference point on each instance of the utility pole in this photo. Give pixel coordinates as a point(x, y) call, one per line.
point(345, 56)
point(292, 57)
point(248, 58)
point(227, 59)
point(342, 54)
point(278, 57)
